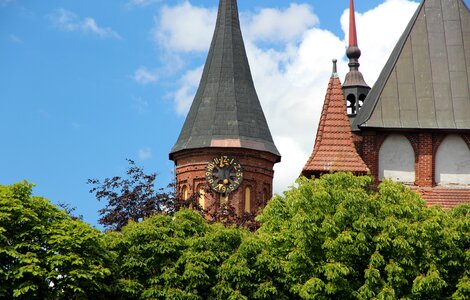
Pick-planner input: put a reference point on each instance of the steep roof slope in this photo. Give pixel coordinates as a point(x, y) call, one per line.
point(334, 149)
point(226, 111)
point(445, 197)
point(425, 83)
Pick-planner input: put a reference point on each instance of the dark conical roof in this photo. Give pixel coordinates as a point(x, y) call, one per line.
point(426, 82)
point(226, 111)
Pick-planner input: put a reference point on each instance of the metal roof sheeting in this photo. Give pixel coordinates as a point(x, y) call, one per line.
point(226, 111)
point(426, 82)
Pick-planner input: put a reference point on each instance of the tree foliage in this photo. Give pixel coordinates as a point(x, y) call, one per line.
point(335, 238)
point(133, 197)
point(45, 254)
point(168, 257)
point(328, 238)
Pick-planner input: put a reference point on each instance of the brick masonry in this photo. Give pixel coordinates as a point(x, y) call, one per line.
point(257, 168)
point(425, 146)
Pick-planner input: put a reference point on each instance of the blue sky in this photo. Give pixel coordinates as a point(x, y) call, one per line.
point(86, 84)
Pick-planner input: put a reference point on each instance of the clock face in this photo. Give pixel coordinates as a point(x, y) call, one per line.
point(224, 174)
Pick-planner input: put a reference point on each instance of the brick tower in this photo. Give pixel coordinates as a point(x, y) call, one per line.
point(225, 143)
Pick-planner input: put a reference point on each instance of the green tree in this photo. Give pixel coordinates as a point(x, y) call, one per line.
point(44, 253)
point(171, 257)
point(337, 238)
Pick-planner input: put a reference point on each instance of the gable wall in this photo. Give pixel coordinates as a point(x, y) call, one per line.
point(425, 146)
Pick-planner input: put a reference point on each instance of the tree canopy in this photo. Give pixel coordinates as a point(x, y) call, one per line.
point(133, 197)
point(45, 254)
point(337, 237)
point(329, 238)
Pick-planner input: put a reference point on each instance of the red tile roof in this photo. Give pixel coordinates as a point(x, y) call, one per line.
point(334, 149)
point(445, 197)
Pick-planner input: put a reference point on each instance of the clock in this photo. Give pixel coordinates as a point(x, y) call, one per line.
point(224, 174)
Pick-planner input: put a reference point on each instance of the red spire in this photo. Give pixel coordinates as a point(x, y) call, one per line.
point(334, 150)
point(352, 25)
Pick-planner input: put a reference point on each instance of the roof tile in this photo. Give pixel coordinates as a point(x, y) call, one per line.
point(445, 197)
point(334, 149)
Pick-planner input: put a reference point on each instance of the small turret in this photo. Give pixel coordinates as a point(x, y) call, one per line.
point(355, 88)
point(334, 149)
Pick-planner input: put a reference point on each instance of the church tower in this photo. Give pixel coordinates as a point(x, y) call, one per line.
point(225, 143)
point(354, 87)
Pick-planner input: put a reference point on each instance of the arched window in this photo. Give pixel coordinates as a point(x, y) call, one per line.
point(184, 192)
point(248, 199)
point(453, 162)
point(265, 196)
point(202, 197)
point(223, 200)
point(397, 159)
point(351, 104)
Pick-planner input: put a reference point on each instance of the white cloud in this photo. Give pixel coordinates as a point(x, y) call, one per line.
point(145, 154)
point(15, 39)
point(291, 85)
point(376, 41)
point(271, 24)
point(184, 27)
point(142, 3)
point(291, 81)
point(183, 97)
point(144, 76)
point(6, 2)
point(140, 104)
point(68, 21)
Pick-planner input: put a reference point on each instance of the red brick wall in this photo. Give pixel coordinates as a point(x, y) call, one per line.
point(257, 168)
point(425, 145)
point(370, 154)
point(358, 140)
point(425, 161)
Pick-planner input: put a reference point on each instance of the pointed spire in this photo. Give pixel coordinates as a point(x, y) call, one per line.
point(334, 149)
point(352, 25)
point(353, 52)
point(335, 68)
point(355, 88)
point(226, 111)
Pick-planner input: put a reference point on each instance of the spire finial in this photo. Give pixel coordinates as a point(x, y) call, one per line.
point(335, 69)
point(353, 52)
point(354, 84)
point(352, 25)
